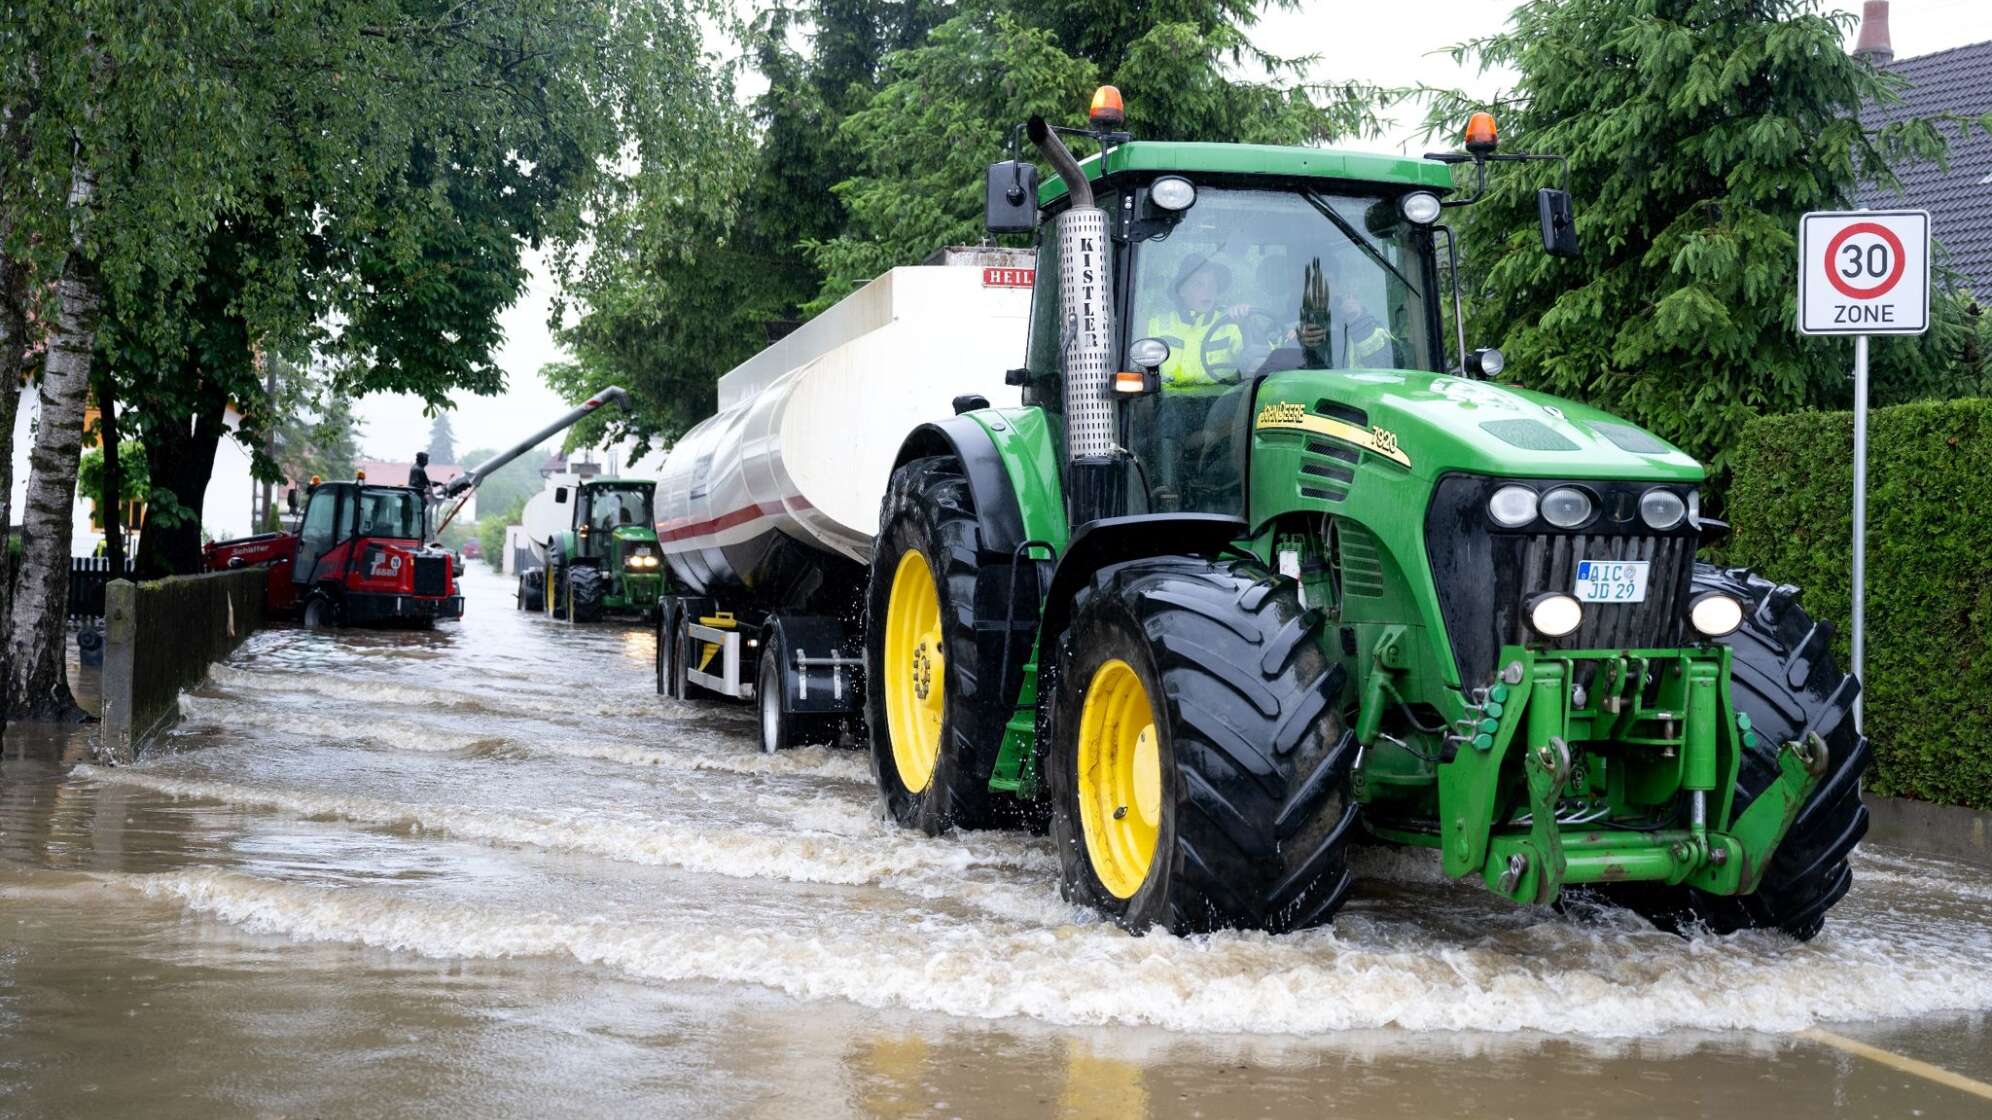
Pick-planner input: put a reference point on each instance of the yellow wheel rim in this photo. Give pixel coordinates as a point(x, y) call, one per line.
point(915, 696)
point(1120, 778)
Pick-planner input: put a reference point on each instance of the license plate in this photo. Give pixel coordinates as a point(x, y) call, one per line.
point(1611, 581)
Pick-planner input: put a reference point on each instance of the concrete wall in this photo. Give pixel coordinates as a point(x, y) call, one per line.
point(1937, 830)
point(161, 637)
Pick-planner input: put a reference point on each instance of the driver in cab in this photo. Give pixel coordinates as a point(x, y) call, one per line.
point(1206, 342)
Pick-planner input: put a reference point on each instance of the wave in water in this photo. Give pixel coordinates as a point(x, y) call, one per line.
point(1599, 980)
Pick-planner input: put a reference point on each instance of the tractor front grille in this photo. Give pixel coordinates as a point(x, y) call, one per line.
point(1485, 576)
point(431, 574)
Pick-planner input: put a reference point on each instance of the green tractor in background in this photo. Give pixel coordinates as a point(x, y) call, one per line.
point(1260, 570)
point(597, 542)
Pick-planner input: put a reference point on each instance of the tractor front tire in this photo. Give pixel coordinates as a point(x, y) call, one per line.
point(1198, 762)
point(1782, 677)
point(320, 612)
point(934, 711)
point(585, 587)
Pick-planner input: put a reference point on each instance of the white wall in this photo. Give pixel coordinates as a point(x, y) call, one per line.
point(227, 504)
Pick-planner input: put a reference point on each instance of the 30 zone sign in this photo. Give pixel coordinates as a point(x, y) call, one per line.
point(1864, 272)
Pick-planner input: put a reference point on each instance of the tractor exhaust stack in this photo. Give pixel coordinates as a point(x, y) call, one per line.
point(1085, 295)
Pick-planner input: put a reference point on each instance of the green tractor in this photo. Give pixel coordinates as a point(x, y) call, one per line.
point(598, 542)
point(1261, 569)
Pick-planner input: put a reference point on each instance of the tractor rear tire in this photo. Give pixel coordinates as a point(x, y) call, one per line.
point(1783, 677)
point(1234, 811)
point(934, 712)
point(585, 587)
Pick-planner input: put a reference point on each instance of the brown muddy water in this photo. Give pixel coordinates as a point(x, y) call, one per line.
point(486, 871)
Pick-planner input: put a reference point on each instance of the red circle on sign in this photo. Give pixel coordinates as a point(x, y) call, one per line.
point(1894, 245)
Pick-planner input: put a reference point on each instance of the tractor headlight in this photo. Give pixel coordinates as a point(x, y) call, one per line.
point(1566, 507)
point(1555, 614)
point(1512, 507)
point(1172, 193)
point(1420, 207)
point(1715, 615)
point(1662, 509)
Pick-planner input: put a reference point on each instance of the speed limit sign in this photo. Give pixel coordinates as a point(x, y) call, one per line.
point(1864, 272)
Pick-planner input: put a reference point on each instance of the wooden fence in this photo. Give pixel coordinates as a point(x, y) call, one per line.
point(88, 575)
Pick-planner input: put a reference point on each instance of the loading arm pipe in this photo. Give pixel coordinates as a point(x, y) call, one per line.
point(485, 469)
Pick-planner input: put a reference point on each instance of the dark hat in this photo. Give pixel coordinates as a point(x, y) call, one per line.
point(1196, 263)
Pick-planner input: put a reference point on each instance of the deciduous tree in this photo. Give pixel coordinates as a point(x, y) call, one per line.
point(1697, 132)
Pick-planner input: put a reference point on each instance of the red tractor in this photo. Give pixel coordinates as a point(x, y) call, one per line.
point(356, 558)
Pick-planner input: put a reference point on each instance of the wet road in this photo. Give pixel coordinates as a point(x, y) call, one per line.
point(485, 870)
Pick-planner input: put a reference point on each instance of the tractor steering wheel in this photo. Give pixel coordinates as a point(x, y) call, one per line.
point(1253, 328)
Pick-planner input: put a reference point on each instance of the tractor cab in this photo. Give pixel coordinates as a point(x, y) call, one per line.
point(1230, 283)
point(614, 517)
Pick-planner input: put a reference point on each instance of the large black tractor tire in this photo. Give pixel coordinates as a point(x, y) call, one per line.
point(1252, 820)
point(1785, 680)
point(532, 590)
point(934, 710)
point(585, 587)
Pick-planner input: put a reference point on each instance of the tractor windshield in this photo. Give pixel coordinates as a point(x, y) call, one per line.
point(1249, 282)
point(385, 512)
point(1253, 281)
point(615, 507)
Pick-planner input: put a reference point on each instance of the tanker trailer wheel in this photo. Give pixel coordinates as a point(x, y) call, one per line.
point(1783, 677)
point(666, 670)
point(585, 587)
point(782, 730)
point(532, 590)
point(677, 685)
point(933, 722)
point(1198, 764)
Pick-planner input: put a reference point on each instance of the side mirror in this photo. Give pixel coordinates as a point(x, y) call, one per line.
point(290, 499)
point(1559, 223)
point(560, 495)
point(1011, 198)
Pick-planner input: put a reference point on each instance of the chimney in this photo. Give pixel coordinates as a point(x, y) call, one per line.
point(1873, 45)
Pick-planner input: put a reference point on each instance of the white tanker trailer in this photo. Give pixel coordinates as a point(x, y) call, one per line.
point(766, 510)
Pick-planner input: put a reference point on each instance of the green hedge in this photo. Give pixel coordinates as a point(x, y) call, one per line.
point(1928, 705)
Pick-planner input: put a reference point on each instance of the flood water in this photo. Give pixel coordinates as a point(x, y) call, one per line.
point(485, 870)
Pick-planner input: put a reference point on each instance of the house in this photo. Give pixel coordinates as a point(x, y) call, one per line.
point(1959, 197)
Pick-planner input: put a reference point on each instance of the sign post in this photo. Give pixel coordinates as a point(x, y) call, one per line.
point(1863, 272)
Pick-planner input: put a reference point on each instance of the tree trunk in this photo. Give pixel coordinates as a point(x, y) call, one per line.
point(37, 684)
point(13, 351)
point(179, 456)
point(112, 505)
